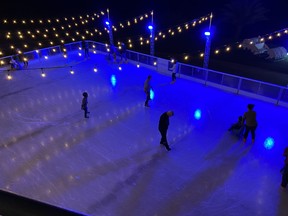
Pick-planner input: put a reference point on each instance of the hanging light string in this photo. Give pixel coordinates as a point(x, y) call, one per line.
point(162, 34)
point(55, 37)
point(52, 38)
point(63, 27)
point(49, 34)
point(129, 23)
point(82, 18)
point(227, 48)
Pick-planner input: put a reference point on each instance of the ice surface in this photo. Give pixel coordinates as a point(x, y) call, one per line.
point(112, 163)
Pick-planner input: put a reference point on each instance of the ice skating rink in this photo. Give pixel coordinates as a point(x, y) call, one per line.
point(112, 164)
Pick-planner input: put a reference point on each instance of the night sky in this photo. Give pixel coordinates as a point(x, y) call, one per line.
point(166, 14)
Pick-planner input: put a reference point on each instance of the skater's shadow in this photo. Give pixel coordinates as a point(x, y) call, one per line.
point(221, 163)
point(202, 185)
point(130, 181)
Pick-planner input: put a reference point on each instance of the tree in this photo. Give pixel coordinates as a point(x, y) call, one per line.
point(241, 14)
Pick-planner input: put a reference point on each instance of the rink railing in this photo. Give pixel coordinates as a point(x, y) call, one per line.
point(236, 84)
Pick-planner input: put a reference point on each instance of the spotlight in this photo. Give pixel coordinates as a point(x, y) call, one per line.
point(152, 94)
point(113, 80)
point(197, 114)
point(269, 143)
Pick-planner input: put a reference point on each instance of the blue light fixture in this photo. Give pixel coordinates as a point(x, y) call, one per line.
point(269, 143)
point(113, 80)
point(207, 33)
point(197, 114)
point(152, 94)
point(150, 27)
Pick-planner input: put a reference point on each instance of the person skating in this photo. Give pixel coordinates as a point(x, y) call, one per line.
point(251, 122)
point(163, 127)
point(147, 87)
point(284, 170)
point(84, 105)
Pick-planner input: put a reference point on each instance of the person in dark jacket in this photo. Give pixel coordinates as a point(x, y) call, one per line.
point(284, 170)
point(251, 122)
point(237, 125)
point(147, 87)
point(84, 105)
point(163, 127)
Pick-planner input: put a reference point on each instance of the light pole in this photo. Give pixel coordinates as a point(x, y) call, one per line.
point(208, 45)
point(110, 31)
point(152, 37)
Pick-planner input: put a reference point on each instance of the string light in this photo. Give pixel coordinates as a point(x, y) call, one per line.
point(239, 45)
point(9, 77)
point(42, 73)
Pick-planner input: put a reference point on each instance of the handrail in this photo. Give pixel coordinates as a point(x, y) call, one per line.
point(241, 85)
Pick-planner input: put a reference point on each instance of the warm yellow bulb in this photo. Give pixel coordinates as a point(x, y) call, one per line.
point(9, 77)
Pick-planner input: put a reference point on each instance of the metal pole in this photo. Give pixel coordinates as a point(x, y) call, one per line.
point(110, 29)
point(152, 37)
point(208, 45)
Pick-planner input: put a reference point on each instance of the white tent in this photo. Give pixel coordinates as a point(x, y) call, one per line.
point(277, 53)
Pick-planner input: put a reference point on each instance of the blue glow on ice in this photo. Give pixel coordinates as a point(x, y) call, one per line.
point(269, 143)
point(113, 80)
point(152, 94)
point(197, 114)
